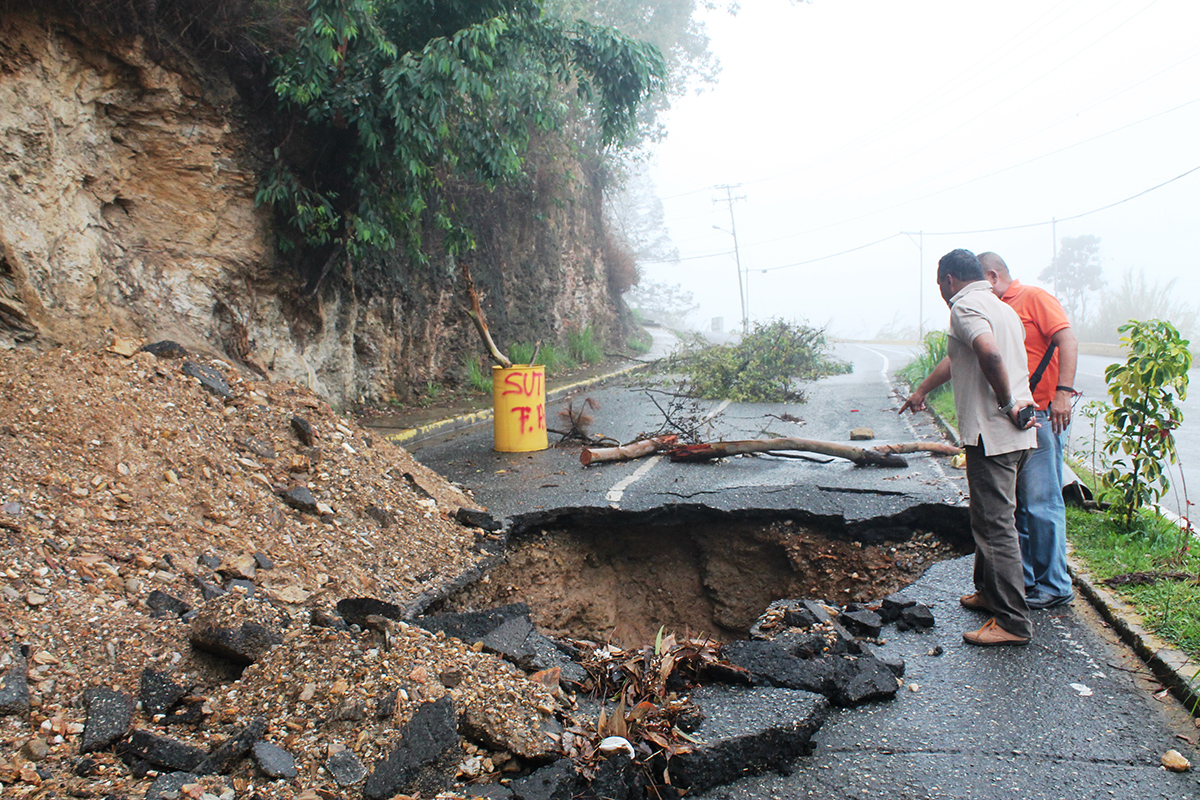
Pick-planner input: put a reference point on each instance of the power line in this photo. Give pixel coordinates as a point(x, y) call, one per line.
point(1066, 219)
point(986, 230)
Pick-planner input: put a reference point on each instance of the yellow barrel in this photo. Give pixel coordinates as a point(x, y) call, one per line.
point(519, 400)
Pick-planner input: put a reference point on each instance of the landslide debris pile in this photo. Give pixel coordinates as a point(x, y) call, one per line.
point(215, 588)
point(167, 517)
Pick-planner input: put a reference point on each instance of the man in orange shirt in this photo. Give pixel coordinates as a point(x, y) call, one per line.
point(1041, 514)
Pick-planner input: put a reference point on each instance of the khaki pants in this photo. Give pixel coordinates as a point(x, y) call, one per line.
point(999, 574)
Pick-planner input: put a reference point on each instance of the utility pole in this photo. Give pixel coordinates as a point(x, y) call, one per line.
point(920, 243)
point(729, 198)
point(1054, 251)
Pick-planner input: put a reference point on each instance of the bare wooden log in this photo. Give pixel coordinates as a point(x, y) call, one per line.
point(937, 448)
point(476, 315)
point(627, 452)
point(860, 456)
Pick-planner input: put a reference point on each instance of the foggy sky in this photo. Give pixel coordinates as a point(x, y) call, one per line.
point(851, 121)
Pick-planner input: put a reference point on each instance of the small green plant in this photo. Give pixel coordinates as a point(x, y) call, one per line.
point(639, 343)
point(933, 350)
point(554, 359)
point(763, 366)
point(522, 352)
point(432, 391)
point(479, 381)
point(1140, 442)
point(582, 345)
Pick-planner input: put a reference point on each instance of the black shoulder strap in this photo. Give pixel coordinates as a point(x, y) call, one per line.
point(1036, 377)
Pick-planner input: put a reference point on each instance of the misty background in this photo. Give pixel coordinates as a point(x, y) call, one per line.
point(851, 143)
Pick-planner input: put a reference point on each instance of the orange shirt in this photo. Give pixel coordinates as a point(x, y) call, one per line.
point(1043, 316)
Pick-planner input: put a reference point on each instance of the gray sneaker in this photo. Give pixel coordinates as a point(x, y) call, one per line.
point(1040, 600)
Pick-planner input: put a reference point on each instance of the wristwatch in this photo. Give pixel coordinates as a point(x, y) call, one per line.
point(1004, 409)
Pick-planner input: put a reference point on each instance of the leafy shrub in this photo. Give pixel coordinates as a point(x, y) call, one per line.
point(933, 350)
point(763, 366)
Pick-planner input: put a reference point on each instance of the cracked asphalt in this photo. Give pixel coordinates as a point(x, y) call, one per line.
point(513, 484)
point(1073, 715)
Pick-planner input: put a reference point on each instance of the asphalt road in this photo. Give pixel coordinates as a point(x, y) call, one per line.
point(514, 484)
point(1070, 716)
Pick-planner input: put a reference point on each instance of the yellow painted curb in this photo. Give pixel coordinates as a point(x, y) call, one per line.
point(483, 415)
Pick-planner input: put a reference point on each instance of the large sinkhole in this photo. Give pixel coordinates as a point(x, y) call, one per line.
point(614, 577)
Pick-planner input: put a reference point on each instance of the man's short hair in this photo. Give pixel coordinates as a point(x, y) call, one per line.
point(961, 265)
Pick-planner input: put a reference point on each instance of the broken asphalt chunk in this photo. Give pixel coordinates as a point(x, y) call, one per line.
point(474, 518)
point(160, 752)
point(863, 622)
point(164, 604)
point(109, 715)
point(273, 761)
point(211, 380)
point(304, 431)
point(158, 692)
point(225, 756)
point(745, 732)
point(14, 685)
point(301, 499)
point(918, 616)
point(425, 757)
point(892, 605)
point(238, 628)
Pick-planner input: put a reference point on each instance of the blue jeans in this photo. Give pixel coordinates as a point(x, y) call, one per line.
point(1042, 516)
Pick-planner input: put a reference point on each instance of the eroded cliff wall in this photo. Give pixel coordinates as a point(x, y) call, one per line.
point(127, 208)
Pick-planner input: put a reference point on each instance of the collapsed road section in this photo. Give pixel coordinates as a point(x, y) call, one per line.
point(620, 577)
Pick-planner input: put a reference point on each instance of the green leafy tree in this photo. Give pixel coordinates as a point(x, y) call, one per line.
point(387, 101)
point(671, 26)
point(1140, 440)
point(1075, 273)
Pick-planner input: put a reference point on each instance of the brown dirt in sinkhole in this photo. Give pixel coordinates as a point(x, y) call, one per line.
point(620, 584)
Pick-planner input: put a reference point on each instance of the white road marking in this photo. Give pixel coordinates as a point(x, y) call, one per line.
point(615, 494)
point(934, 463)
point(618, 490)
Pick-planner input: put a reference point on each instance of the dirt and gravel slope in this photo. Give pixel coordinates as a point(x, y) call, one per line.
point(124, 481)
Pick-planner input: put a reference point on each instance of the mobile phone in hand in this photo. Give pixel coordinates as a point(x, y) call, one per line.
point(1024, 415)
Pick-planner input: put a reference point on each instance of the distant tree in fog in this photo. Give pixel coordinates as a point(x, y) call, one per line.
point(1138, 299)
point(1075, 274)
point(635, 215)
point(667, 304)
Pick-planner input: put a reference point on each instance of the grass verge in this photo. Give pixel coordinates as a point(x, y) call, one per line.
point(1155, 565)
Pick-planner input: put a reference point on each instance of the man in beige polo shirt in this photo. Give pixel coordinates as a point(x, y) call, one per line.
point(991, 385)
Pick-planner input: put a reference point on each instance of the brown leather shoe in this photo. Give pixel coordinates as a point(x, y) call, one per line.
point(974, 601)
point(991, 635)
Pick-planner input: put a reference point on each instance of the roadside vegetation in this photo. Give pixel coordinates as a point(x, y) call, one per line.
point(1127, 543)
point(766, 365)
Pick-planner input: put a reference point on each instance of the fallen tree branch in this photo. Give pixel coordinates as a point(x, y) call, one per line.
point(476, 315)
point(937, 448)
point(710, 450)
point(627, 452)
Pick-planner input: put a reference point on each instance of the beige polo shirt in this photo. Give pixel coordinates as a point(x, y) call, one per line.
point(976, 310)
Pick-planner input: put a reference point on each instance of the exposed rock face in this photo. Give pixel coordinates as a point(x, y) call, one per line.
point(127, 208)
